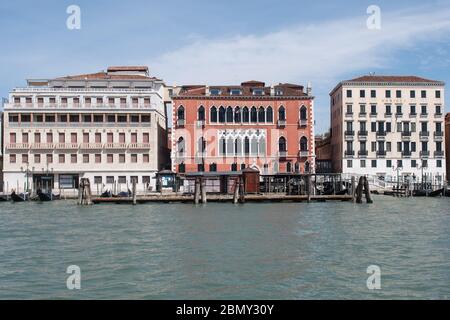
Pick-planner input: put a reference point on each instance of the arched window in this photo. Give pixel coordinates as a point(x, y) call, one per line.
point(254, 146)
point(245, 115)
point(237, 115)
point(222, 147)
point(234, 166)
point(221, 114)
point(269, 114)
point(307, 169)
point(253, 115)
point(230, 115)
point(230, 146)
point(303, 144)
point(282, 114)
point(201, 113)
point(182, 168)
point(261, 115)
point(201, 144)
point(213, 167)
point(246, 146)
point(238, 146)
point(262, 146)
point(213, 114)
point(180, 113)
point(303, 114)
point(282, 144)
point(181, 146)
point(289, 167)
point(297, 167)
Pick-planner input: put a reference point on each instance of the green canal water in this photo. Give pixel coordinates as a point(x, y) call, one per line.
point(223, 251)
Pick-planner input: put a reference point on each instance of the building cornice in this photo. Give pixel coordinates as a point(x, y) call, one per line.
point(387, 84)
point(234, 98)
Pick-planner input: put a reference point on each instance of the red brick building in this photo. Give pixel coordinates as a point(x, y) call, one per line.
point(229, 128)
point(447, 144)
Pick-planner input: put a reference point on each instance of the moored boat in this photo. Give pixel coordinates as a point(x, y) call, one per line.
point(47, 196)
point(19, 197)
point(436, 193)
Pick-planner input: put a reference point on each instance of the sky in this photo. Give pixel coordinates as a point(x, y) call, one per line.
point(228, 42)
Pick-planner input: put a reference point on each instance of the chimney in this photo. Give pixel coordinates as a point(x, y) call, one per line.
point(206, 90)
point(309, 89)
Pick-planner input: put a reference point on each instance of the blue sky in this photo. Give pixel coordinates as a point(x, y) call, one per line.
point(217, 42)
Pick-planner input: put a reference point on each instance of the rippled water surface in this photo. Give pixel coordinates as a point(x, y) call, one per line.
point(222, 251)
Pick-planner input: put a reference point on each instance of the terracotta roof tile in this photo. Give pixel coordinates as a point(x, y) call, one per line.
point(376, 78)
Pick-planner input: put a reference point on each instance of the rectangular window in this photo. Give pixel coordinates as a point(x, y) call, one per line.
point(146, 179)
point(363, 163)
point(389, 163)
point(85, 158)
point(49, 137)
point(98, 137)
point(388, 93)
point(121, 137)
point(98, 180)
point(349, 93)
point(438, 110)
point(61, 137)
point(12, 158)
point(373, 93)
point(37, 158)
point(109, 137)
point(61, 158)
point(121, 158)
point(373, 146)
point(146, 137)
point(398, 93)
point(400, 163)
point(388, 110)
point(439, 163)
point(133, 137)
point(25, 158)
point(134, 158)
point(85, 137)
point(412, 94)
point(146, 158)
point(49, 158)
point(73, 137)
point(12, 137)
point(413, 163)
point(438, 94)
point(98, 158)
point(349, 164)
point(37, 137)
point(73, 158)
point(374, 163)
point(423, 94)
point(388, 146)
point(373, 126)
point(362, 93)
point(110, 180)
point(109, 158)
point(399, 109)
point(122, 179)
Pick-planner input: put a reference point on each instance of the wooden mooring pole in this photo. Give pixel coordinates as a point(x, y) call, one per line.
point(236, 191)
point(203, 189)
point(197, 191)
point(353, 188)
point(133, 190)
point(84, 192)
point(359, 190)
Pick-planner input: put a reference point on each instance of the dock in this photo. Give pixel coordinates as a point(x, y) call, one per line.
point(189, 198)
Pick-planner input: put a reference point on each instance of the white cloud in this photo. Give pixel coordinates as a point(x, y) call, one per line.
point(320, 52)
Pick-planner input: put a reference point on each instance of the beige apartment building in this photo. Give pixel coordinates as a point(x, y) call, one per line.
point(108, 126)
point(389, 127)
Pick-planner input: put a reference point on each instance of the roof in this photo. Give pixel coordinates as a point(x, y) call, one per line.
point(247, 90)
point(376, 78)
point(394, 79)
point(114, 73)
point(128, 68)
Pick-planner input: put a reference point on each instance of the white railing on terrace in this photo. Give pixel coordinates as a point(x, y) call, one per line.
point(91, 106)
point(48, 89)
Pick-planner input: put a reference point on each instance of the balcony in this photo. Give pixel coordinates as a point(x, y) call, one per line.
point(381, 153)
point(363, 114)
point(281, 123)
point(181, 122)
point(349, 133)
point(349, 153)
point(439, 136)
point(424, 115)
point(115, 146)
point(18, 146)
point(413, 115)
point(200, 123)
point(139, 146)
point(349, 114)
point(424, 154)
point(373, 114)
point(91, 146)
point(282, 154)
point(42, 146)
point(388, 114)
point(201, 154)
point(363, 153)
point(438, 115)
point(399, 114)
point(424, 135)
point(439, 154)
point(303, 154)
point(362, 134)
point(406, 154)
point(66, 146)
point(381, 135)
point(406, 135)
point(302, 122)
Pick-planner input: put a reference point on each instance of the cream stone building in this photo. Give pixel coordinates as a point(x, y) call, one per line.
point(389, 127)
point(108, 126)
